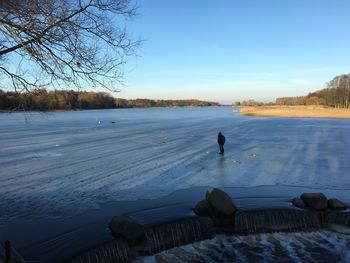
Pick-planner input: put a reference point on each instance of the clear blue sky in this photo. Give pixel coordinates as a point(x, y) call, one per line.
point(234, 50)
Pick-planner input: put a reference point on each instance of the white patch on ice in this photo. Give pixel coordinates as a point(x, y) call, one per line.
point(46, 154)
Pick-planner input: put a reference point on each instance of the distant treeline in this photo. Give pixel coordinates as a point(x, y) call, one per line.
point(43, 100)
point(146, 103)
point(251, 103)
point(337, 94)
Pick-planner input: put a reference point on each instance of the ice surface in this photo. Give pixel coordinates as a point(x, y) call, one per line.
point(66, 162)
point(60, 165)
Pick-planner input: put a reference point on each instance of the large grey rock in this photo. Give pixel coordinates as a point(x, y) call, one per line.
point(317, 201)
point(203, 208)
point(221, 202)
point(298, 202)
point(124, 226)
point(336, 204)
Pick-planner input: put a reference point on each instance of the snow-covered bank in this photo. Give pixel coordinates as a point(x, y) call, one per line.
point(60, 166)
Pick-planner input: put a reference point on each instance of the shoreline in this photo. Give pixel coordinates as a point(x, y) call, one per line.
point(295, 112)
point(118, 108)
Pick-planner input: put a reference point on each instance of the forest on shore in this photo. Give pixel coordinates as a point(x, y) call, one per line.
point(335, 95)
point(43, 100)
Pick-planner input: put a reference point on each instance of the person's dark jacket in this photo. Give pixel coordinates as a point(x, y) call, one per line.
point(221, 139)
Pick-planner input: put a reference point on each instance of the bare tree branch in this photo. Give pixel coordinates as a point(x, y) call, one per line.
point(71, 42)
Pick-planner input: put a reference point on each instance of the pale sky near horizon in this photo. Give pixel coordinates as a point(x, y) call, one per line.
point(234, 50)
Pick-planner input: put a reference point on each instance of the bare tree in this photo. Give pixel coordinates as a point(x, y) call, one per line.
point(341, 90)
point(64, 43)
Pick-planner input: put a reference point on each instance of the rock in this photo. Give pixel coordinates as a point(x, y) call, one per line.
point(220, 202)
point(317, 201)
point(336, 204)
point(125, 227)
point(203, 208)
point(298, 203)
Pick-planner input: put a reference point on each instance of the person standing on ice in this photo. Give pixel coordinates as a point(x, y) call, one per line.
point(221, 142)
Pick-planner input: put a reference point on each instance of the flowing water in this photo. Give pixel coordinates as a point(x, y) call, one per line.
point(308, 247)
point(115, 251)
point(178, 233)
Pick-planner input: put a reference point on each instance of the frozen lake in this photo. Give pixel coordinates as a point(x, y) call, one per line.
point(66, 166)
